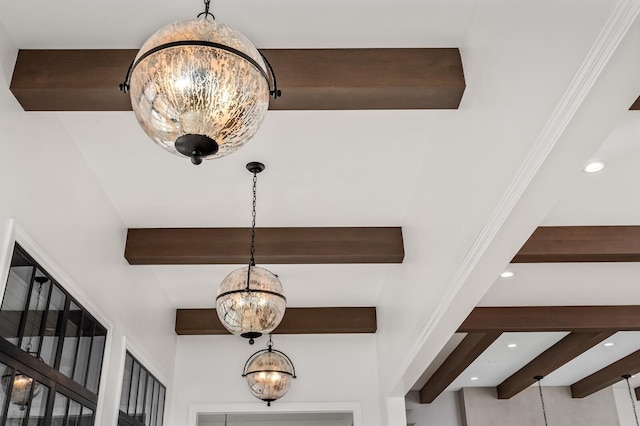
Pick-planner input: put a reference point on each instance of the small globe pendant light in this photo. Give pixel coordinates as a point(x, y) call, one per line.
point(199, 88)
point(269, 374)
point(251, 300)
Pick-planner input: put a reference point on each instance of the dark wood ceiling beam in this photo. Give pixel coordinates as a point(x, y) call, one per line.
point(552, 318)
point(182, 246)
point(571, 346)
point(462, 356)
point(295, 321)
point(310, 79)
point(607, 376)
point(637, 390)
point(636, 105)
point(581, 244)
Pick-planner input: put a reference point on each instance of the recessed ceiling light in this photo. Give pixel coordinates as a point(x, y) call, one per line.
point(594, 167)
point(507, 274)
point(512, 345)
point(608, 344)
point(473, 378)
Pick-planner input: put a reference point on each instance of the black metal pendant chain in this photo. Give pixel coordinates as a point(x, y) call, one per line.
point(633, 403)
point(255, 168)
point(252, 261)
point(544, 411)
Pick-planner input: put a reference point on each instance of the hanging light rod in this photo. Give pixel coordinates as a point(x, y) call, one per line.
point(544, 411)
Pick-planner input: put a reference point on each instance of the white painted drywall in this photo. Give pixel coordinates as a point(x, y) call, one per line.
point(331, 369)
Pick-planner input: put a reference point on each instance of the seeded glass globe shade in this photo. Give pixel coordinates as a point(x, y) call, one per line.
point(251, 312)
point(198, 100)
point(269, 375)
point(20, 389)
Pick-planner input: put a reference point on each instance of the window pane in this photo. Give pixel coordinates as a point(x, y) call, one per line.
point(53, 327)
point(59, 410)
point(70, 340)
point(154, 406)
point(37, 306)
point(7, 373)
point(74, 413)
point(141, 387)
point(146, 414)
point(134, 390)
point(38, 405)
point(87, 417)
point(126, 383)
point(82, 359)
point(15, 296)
point(159, 418)
point(19, 400)
point(95, 360)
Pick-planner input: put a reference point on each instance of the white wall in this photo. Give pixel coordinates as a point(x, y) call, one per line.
point(332, 370)
point(444, 411)
point(55, 199)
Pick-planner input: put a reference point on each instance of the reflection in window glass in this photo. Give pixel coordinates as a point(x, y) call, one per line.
point(146, 414)
point(160, 416)
point(59, 410)
point(95, 360)
point(126, 383)
point(154, 406)
point(74, 413)
point(70, 340)
point(82, 358)
point(38, 405)
point(15, 297)
point(134, 390)
point(141, 387)
point(37, 307)
point(21, 394)
point(87, 417)
point(53, 326)
point(5, 381)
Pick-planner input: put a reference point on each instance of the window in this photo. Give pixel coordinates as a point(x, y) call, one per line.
point(51, 351)
point(142, 398)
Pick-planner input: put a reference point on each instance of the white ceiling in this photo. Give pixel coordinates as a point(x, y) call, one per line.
point(364, 168)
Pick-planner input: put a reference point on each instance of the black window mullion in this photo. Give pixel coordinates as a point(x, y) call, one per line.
point(43, 319)
point(48, 413)
point(65, 419)
point(25, 312)
point(93, 335)
point(62, 332)
point(131, 389)
point(144, 395)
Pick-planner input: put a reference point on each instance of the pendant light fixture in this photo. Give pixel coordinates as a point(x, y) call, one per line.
point(199, 88)
point(269, 373)
point(544, 411)
point(633, 402)
point(251, 300)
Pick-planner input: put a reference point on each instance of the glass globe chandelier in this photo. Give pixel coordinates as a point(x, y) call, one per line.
point(251, 300)
point(20, 383)
point(269, 374)
point(20, 388)
point(199, 88)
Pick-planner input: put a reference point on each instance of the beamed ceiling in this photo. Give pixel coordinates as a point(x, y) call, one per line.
point(417, 149)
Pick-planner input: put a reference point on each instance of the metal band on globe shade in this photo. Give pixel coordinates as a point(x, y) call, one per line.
point(254, 309)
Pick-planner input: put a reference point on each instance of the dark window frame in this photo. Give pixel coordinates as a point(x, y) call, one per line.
point(33, 366)
point(126, 419)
